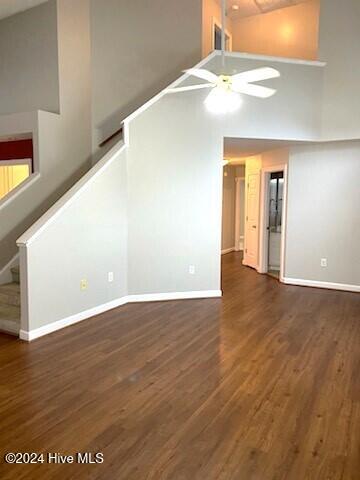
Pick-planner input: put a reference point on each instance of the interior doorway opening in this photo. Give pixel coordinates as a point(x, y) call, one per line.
point(233, 208)
point(254, 182)
point(274, 227)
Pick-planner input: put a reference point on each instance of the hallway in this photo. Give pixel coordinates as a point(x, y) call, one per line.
point(261, 384)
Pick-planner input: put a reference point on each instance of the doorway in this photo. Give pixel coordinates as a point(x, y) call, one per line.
point(216, 37)
point(274, 227)
point(272, 221)
point(233, 208)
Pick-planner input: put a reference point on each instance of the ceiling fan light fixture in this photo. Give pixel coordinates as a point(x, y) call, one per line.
point(221, 101)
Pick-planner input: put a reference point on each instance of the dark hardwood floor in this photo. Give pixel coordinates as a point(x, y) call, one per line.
point(263, 384)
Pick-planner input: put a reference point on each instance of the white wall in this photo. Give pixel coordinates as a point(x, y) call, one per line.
point(323, 219)
point(87, 241)
point(137, 49)
point(29, 61)
point(62, 142)
point(174, 200)
point(174, 196)
point(293, 113)
point(340, 48)
point(287, 32)
point(175, 178)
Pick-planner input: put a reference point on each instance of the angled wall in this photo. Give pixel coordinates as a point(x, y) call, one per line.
point(85, 238)
point(62, 142)
point(29, 77)
point(138, 47)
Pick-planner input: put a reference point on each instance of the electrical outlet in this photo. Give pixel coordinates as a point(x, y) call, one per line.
point(192, 269)
point(323, 262)
point(110, 277)
point(83, 284)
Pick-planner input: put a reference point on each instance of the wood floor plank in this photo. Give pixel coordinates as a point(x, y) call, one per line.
point(262, 384)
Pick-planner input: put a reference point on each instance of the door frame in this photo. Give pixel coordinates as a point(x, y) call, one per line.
point(217, 23)
point(264, 216)
point(237, 240)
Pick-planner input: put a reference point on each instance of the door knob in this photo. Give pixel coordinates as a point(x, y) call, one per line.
point(254, 226)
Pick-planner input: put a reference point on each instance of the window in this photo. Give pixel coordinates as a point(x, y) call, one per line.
point(12, 174)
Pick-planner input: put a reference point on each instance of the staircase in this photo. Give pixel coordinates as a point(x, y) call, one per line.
point(10, 304)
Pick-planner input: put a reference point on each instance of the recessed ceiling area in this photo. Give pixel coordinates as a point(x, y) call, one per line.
point(247, 8)
point(11, 7)
point(238, 148)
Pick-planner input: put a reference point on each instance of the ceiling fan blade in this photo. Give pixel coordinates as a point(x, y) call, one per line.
point(253, 90)
point(188, 88)
point(256, 75)
point(203, 74)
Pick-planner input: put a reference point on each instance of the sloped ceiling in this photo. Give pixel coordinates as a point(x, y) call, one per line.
point(247, 8)
point(10, 7)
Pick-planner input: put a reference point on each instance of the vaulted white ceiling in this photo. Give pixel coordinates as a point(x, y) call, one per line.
point(10, 7)
point(246, 8)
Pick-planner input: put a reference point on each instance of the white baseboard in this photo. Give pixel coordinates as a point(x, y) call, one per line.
point(65, 322)
point(160, 297)
point(317, 284)
point(5, 272)
point(227, 250)
point(150, 297)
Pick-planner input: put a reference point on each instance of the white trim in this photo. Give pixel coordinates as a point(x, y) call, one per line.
point(215, 53)
point(91, 312)
point(268, 58)
point(318, 284)
point(66, 322)
point(284, 224)
point(161, 297)
point(126, 133)
point(24, 287)
point(227, 250)
point(5, 272)
point(239, 239)
point(70, 196)
point(241, 243)
point(174, 84)
point(15, 192)
point(17, 161)
point(216, 23)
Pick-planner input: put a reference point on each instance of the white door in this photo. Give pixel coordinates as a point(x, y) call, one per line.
point(251, 254)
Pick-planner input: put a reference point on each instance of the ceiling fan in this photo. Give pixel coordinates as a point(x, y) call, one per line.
point(226, 89)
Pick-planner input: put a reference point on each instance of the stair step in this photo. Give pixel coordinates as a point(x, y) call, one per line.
point(9, 319)
point(15, 272)
point(10, 294)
